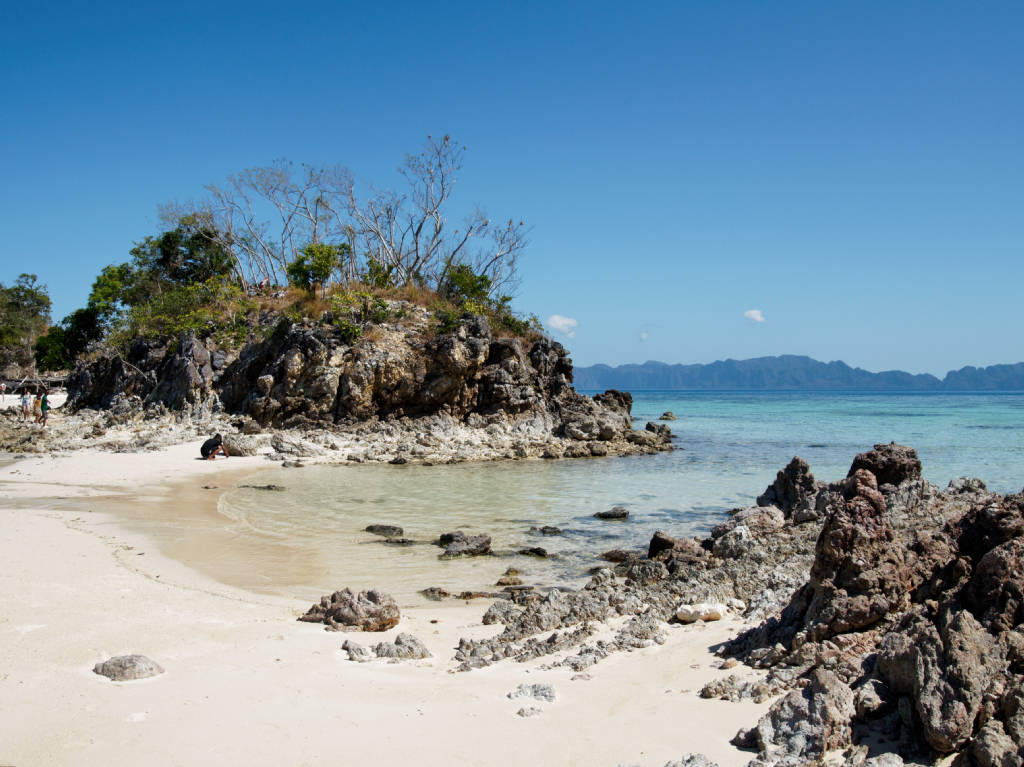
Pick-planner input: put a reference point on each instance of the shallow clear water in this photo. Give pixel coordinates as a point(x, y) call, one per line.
point(731, 445)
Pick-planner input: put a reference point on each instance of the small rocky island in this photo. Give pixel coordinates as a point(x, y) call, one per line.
point(399, 392)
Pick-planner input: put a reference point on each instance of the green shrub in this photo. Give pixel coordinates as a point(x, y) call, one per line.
point(348, 331)
point(377, 275)
point(361, 305)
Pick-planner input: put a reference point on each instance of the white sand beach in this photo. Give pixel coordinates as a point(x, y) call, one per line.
point(245, 682)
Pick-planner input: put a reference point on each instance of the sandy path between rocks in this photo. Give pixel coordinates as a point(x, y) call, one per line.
point(246, 683)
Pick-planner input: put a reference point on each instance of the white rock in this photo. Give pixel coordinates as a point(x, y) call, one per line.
point(736, 605)
point(702, 611)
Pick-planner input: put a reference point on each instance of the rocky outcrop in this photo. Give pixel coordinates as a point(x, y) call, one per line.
point(405, 647)
point(913, 603)
point(458, 544)
point(312, 376)
point(859, 573)
point(808, 722)
point(794, 489)
point(896, 618)
point(345, 610)
point(891, 464)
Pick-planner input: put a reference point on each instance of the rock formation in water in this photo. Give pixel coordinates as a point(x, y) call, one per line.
point(308, 376)
point(888, 614)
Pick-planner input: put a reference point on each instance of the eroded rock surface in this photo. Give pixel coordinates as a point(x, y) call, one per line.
point(123, 668)
point(307, 377)
point(889, 611)
point(346, 610)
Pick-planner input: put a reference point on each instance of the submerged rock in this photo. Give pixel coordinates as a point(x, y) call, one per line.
point(547, 530)
point(534, 551)
point(387, 531)
point(458, 544)
point(614, 513)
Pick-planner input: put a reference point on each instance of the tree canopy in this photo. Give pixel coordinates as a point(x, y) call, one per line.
point(24, 315)
point(312, 227)
point(265, 218)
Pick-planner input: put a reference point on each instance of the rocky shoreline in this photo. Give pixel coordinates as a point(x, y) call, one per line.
point(302, 390)
point(885, 616)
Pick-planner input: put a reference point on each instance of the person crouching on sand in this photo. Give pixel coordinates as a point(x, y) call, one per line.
point(213, 446)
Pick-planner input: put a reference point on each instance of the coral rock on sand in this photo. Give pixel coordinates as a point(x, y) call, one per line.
point(702, 611)
point(538, 691)
point(124, 668)
point(405, 647)
point(345, 610)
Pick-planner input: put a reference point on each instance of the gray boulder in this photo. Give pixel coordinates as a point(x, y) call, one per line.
point(345, 610)
point(458, 544)
point(794, 488)
point(405, 647)
point(123, 668)
point(388, 531)
point(808, 722)
point(891, 464)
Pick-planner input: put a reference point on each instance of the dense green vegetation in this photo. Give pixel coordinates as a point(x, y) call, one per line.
point(321, 253)
point(24, 315)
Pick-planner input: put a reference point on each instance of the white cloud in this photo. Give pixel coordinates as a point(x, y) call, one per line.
point(754, 314)
point(566, 325)
point(644, 335)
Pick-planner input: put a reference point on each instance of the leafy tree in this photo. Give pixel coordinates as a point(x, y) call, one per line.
point(191, 253)
point(24, 315)
point(462, 284)
point(314, 265)
point(58, 348)
point(185, 255)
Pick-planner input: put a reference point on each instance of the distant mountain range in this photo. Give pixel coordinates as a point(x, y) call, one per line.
point(792, 372)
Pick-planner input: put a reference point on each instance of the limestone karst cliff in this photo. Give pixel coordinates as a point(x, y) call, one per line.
point(306, 375)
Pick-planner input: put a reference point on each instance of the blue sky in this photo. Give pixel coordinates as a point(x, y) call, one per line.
point(852, 171)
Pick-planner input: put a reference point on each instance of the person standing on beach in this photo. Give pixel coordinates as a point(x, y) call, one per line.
point(3, 393)
point(37, 404)
point(44, 408)
point(26, 404)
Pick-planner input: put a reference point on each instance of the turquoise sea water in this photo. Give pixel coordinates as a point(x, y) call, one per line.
point(730, 445)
